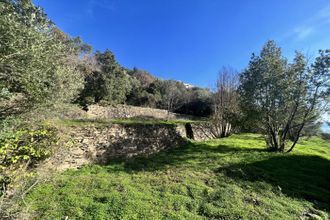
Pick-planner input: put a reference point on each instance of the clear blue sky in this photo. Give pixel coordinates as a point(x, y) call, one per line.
point(190, 40)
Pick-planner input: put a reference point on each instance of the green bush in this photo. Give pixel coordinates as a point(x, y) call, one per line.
point(23, 148)
point(37, 66)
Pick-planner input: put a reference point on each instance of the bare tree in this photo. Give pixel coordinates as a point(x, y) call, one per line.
point(226, 108)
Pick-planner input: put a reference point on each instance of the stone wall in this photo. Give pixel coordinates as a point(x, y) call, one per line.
point(209, 130)
point(126, 141)
point(197, 131)
point(202, 131)
point(127, 111)
point(101, 144)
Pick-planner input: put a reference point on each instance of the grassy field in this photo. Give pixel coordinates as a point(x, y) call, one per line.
point(231, 178)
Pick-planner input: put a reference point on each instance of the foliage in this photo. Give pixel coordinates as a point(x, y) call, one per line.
point(142, 94)
point(35, 65)
point(107, 82)
point(142, 76)
point(23, 148)
point(172, 93)
point(197, 102)
point(280, 98)
point(231, 178)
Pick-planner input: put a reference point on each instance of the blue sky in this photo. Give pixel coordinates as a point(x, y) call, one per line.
point(190, 40)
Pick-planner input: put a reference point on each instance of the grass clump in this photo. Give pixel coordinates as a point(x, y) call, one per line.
point(231, 178)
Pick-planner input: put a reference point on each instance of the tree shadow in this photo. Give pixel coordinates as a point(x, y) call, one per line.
point(202, 154)
point(297, 176)
point(249, 137)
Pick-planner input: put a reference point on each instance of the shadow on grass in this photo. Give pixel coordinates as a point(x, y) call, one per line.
point(298, 176)
point(249, 137)
point(202, 155)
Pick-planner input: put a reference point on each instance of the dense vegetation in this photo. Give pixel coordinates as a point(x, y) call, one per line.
point(107, 82)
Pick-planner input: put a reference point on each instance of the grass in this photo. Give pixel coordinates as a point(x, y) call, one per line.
point(231, 178)
point(108, 122)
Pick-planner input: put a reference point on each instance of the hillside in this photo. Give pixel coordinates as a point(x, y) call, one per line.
point(85, 134)
point(231, 178)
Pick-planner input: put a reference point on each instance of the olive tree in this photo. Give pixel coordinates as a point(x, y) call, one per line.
point(172, 94)
point(35, 65)
point(107, 81)
point(281, 98)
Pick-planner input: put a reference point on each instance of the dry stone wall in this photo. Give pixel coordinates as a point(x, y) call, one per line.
point(202, 131)
point(127, 111)
point(101, 144)
point(126, 141)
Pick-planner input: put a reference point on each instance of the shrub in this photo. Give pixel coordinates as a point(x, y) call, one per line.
point(22, 149)
point(36, 65)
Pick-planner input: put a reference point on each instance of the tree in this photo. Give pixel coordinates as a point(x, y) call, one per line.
point(144, 89)
point(140, 96)
point(197, 102)
point(108, 81)
point(281, 98)
point(225, 102)
point(172, 94)
point(142, 76)
point(36, 67)
point(311, 97)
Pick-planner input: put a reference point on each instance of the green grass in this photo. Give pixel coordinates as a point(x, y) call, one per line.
point(231, 178)
point(109, 122)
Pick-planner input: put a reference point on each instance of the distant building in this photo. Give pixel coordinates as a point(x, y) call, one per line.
point(188, 86)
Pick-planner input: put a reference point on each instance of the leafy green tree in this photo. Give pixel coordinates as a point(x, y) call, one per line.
point(197, 102)
point(35, 66)
point(108, 82)
point(172, 94)
point(140, 96)
point(281, 98)
point(142, 76)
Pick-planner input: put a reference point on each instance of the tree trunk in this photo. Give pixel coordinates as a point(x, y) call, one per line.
point(282, 146)
point(304, 121)
point(297, 138)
